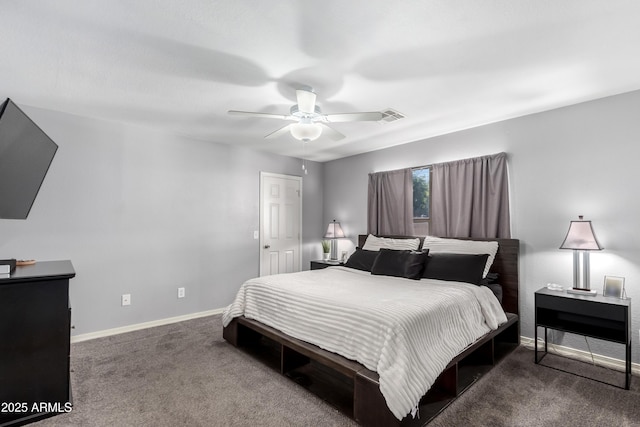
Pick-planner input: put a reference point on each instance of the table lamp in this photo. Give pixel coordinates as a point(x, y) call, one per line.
point(581, 239)
point(334, 232)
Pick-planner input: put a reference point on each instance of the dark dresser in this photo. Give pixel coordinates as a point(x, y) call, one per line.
point(35, 323)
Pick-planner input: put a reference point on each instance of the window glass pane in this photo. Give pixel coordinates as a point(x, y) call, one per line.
point(421, 193)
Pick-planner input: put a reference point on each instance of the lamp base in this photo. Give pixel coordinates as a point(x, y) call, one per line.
point(582, 291)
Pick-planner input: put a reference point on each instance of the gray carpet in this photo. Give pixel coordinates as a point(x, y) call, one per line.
point(186, 374)
point(517, 392)
point(182, 374)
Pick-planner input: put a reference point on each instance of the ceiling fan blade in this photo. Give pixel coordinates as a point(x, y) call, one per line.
point(279, 132)
point(261, 115)
point(330, 132)
point(354, 117)
point(306, 101)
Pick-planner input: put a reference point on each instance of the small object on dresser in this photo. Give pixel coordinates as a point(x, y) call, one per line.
point(10, 263)
point(554, 287)
point(23, 262)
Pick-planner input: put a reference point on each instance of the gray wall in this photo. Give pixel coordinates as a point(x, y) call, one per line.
point(141, 212)
point(579, 160)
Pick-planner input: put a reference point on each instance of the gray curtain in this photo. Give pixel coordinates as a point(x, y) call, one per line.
point(390, 203)
point(470, 198)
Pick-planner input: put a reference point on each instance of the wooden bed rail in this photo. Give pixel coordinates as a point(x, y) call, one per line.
point(354, 389)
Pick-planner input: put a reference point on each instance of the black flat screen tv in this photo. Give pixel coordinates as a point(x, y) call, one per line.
point(26, 153)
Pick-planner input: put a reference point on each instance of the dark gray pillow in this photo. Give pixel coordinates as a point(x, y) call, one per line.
point(496, 289)
point(361, 260)
point(491, 282)
point(466, 268)
point(490, 279)
point(403, 263)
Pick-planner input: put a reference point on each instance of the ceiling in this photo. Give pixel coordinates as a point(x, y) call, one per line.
point(447, 65)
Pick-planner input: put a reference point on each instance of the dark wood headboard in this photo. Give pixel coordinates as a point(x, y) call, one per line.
point(505, 264)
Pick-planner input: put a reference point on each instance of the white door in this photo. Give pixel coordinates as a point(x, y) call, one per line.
point(280, 223)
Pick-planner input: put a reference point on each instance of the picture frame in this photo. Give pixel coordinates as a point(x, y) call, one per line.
point(613, 287)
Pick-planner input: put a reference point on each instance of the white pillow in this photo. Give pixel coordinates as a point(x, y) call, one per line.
point(438, 244)
point(374, 243)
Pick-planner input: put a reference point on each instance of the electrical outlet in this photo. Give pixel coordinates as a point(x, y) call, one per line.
point(180, 292)
point(126, 299)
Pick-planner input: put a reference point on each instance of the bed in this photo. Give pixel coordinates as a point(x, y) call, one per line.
point(361, 389)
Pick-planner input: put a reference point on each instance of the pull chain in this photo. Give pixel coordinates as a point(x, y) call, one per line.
point(304, 154)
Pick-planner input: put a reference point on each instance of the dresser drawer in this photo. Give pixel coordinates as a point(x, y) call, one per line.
point(583, 306)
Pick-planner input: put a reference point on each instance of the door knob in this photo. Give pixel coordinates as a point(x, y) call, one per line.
point(267, 246)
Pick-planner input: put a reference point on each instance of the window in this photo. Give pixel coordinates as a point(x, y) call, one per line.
point(421, 200)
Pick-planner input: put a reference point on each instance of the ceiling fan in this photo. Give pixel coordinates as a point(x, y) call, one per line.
point(310, 121)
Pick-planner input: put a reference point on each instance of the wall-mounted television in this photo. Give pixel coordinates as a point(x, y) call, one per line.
point(25, 155)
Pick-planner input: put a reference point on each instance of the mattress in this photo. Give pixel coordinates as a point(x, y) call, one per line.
point(405, 330)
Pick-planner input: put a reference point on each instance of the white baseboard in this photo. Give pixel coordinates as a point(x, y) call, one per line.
point(584, 356)
point(145, 325)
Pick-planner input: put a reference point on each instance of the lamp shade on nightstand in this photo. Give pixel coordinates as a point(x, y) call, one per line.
point(334, 231)
point(581, 239)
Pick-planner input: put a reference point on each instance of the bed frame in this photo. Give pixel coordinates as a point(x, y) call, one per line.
point(354, 389)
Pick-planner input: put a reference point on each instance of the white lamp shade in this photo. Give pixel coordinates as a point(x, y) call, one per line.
point(334, 231)
point(581, 237)
point(306, 131)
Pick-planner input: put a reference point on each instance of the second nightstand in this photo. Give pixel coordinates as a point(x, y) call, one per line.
point(605, 318)
point(321, 263)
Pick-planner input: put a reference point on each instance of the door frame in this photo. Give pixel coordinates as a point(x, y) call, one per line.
point(261, 219)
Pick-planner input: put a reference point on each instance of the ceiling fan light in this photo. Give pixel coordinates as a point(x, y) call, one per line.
point(306, 131)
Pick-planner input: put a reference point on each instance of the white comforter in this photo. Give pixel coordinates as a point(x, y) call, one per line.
point(405, 330)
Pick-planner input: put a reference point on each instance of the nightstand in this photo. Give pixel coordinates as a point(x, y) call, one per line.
point(321, 263)
point(601, 317)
